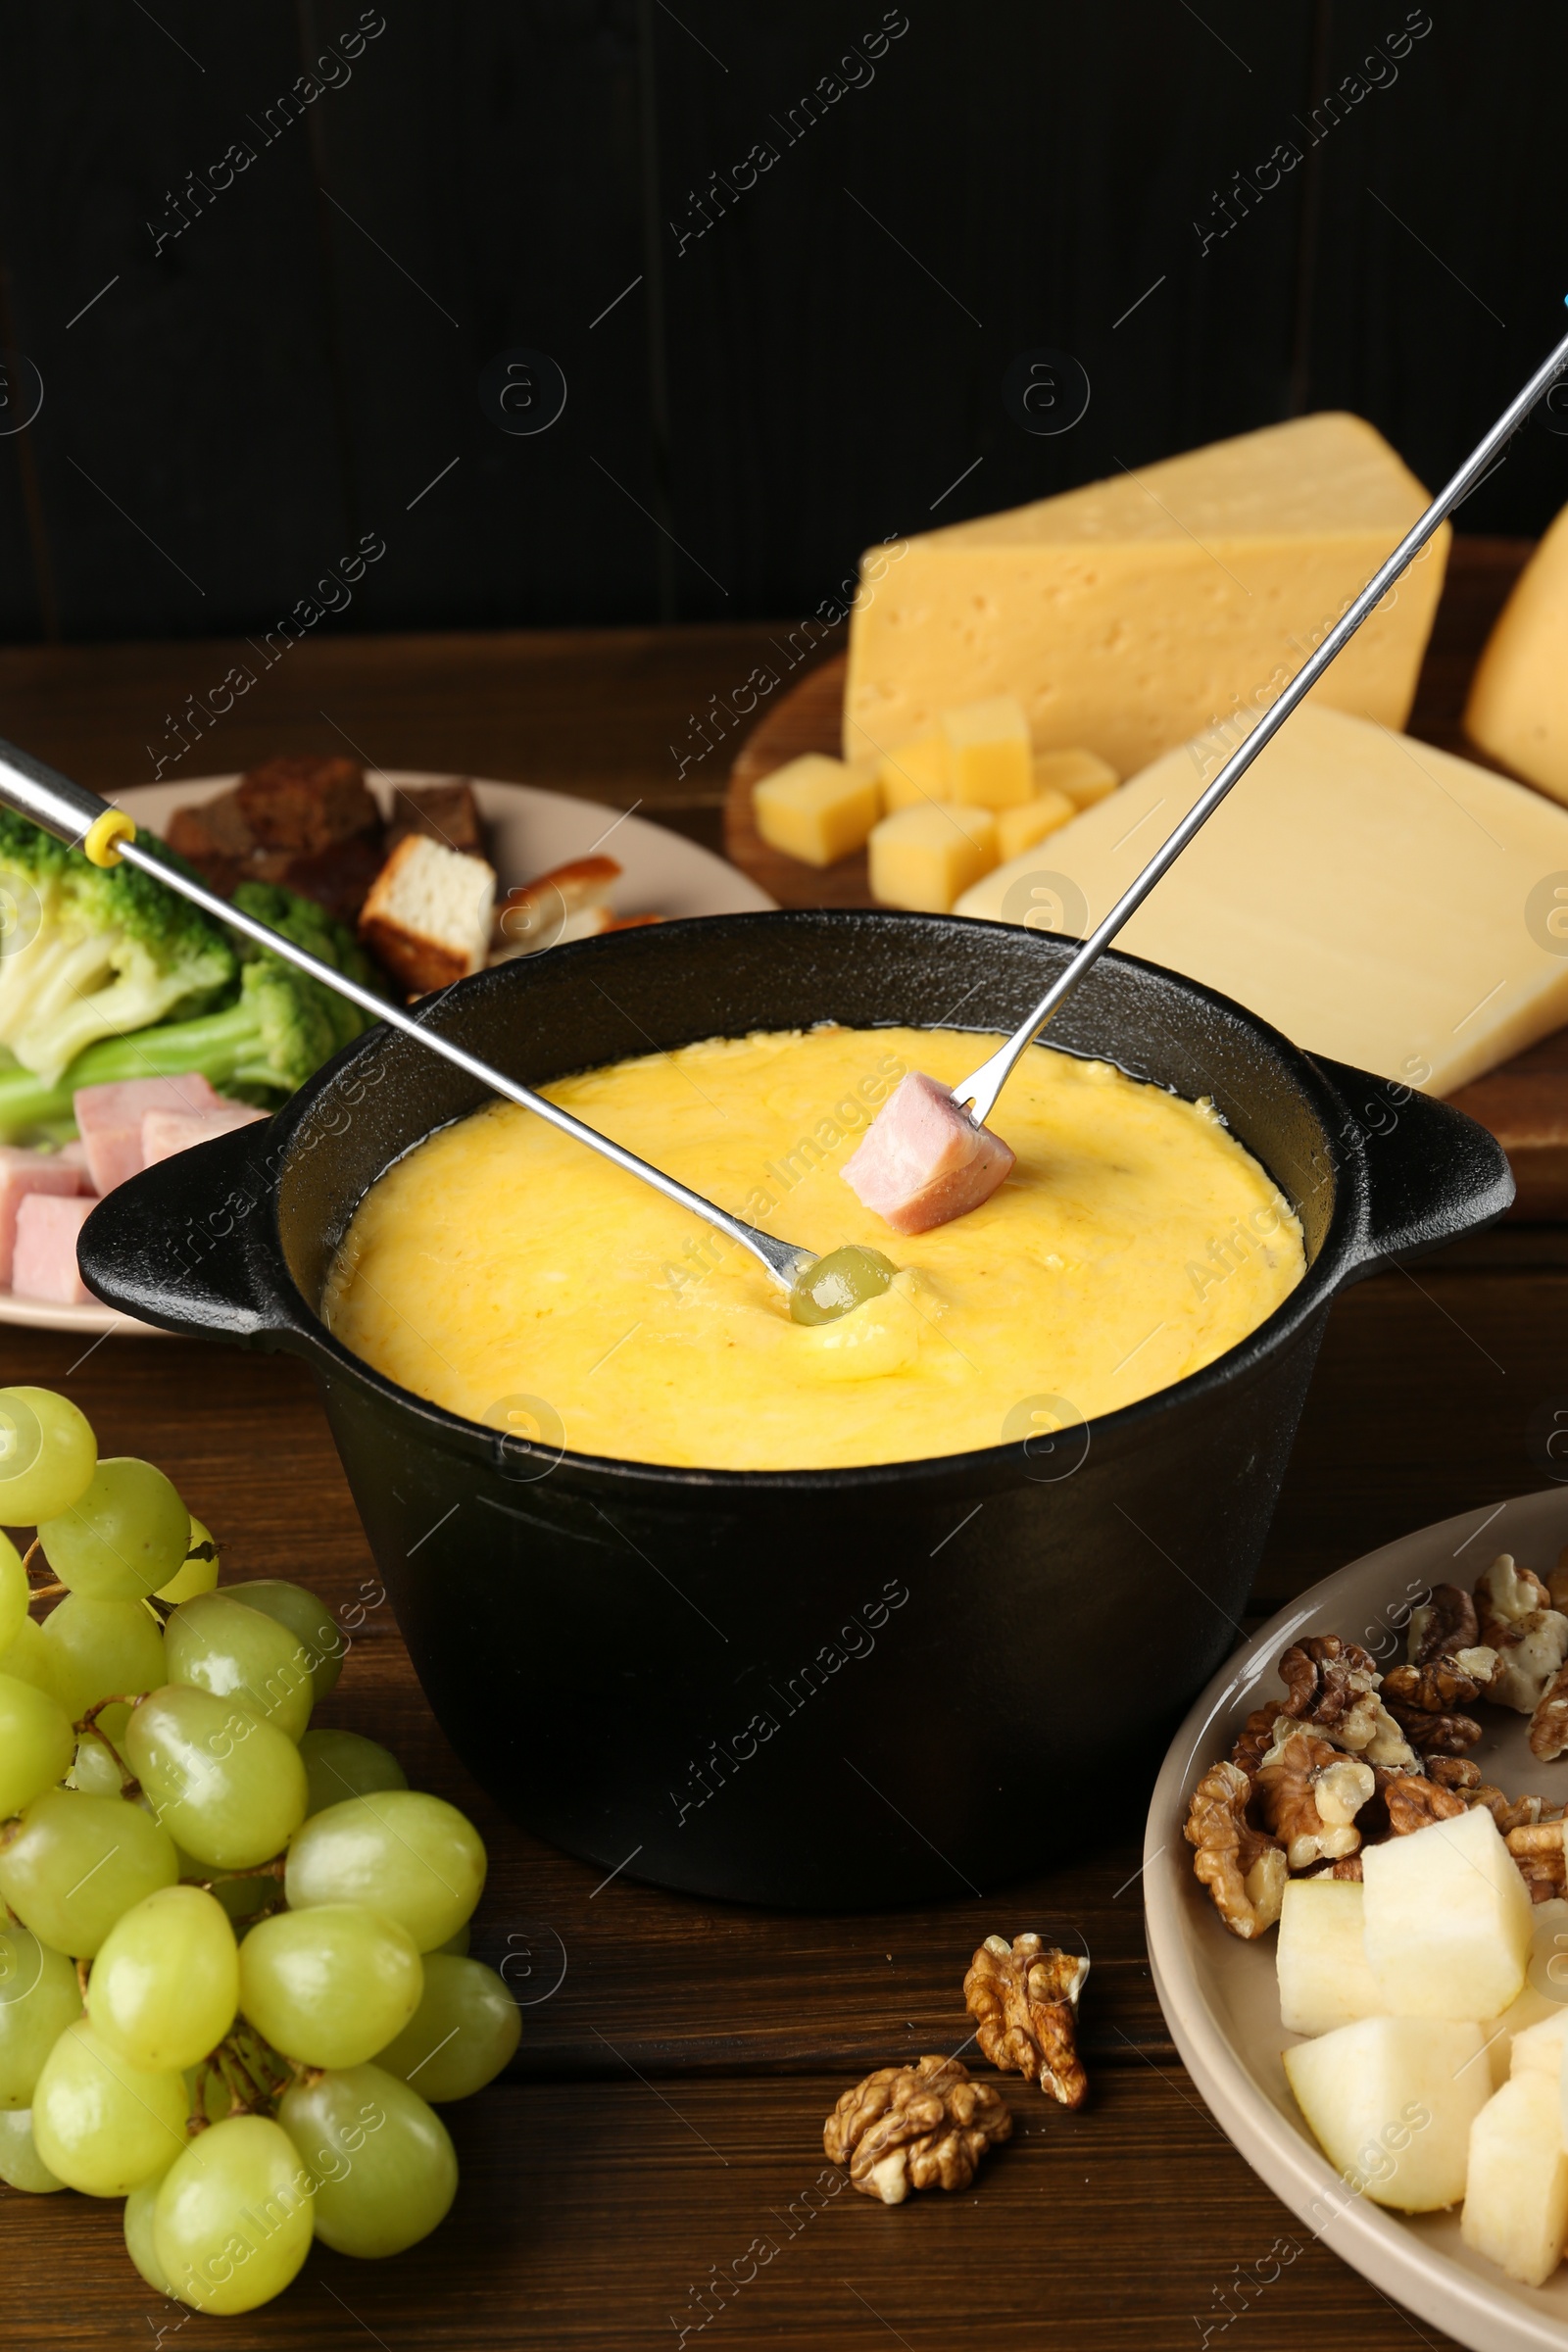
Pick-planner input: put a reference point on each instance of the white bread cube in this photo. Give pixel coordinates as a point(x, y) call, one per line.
point(428, 914)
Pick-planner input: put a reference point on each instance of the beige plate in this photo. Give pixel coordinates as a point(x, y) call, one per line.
point(1219, 1994)
point(529, 831)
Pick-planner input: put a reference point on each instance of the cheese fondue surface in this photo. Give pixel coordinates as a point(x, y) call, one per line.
point(509, 1274)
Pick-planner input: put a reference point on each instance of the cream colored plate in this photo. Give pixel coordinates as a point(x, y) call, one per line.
point(1219, 1994)
point(529, 831)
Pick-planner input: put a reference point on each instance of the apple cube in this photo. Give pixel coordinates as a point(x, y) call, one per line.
point(1537, 2049)
point(1447, 1920)
point(1324, 1978)
point(1517, 2193)
point(1391, 2101)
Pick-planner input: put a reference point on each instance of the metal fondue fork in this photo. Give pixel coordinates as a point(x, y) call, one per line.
point(979, 1091)
point(107, 834)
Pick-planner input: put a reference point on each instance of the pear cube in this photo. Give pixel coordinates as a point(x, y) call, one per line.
point(1391, 2101)
point(1537, 2049)
point(1447, 1920)
point(1324, 1978)
point(1516, 2193)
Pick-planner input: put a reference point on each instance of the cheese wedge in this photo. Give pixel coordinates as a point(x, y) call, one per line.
point(1368, 895)
point(816, 808)
point(922, 858)
point(1518, 706)
point(1132, 612)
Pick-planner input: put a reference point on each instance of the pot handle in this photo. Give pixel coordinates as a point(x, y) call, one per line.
point(183, 1245)
point(1432, 1174)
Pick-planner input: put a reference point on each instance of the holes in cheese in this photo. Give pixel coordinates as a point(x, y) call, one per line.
point(924, 858)
point(816, 808)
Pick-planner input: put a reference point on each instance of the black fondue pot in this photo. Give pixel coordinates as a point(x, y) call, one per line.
point(818, 1687)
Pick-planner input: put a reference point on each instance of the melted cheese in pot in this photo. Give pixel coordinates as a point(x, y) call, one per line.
point(504, 1272)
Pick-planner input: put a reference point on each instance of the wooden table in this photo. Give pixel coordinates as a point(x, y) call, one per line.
point(661, 2127)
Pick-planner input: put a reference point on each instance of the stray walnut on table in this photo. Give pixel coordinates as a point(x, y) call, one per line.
point(1024, 1998)
point(915, 2127)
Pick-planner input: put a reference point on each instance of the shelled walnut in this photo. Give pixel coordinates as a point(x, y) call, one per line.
point(1516, 1619)
point(915, 2127)
point(1023, 1996)
point(1333, 1685)
point(1244, 1870)
point(1310, 1793)
point(1426, 1700)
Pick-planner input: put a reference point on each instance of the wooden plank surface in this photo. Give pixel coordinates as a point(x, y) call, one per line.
point(678, 2057)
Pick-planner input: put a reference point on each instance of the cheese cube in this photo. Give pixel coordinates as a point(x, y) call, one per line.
point(1018, 829)
point(1131, 613)
point(914, 772)
point(988, 753)
point(1516, 2182)
point(816, 808)
point(1370, 896)
point(1518, 706)
point(925, 856)
point(1082, 775)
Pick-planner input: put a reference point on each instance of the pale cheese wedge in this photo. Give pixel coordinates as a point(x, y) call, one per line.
point(1518, 706)
point(1131, 613)
point(1368, 895)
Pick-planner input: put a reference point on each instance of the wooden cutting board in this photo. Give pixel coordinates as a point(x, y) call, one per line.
point(1524, 1102)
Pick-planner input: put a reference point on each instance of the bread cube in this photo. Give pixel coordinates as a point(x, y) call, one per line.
point(1448, 1920)
point(1019, 829)
point(816, 809)
point(428, 914)
point(927, 856)
point(1516, 2188)
point(988, 753)
point(1391, 2101)
point(1324, 1979)
point(1082, 775)
point(914, 772)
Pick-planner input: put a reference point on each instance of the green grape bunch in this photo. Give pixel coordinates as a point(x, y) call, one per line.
point(230, 1945)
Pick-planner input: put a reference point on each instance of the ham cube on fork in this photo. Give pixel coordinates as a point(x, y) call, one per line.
point(924, 1161)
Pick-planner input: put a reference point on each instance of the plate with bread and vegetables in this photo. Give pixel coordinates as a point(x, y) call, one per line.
point(133, 1026)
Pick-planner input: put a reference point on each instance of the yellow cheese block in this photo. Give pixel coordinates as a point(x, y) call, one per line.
point(1377, 899)
point(915, 771)
point(988, 753)
point(1021, 828)
point(924, 857)
point(1518, 706)
point(816, 808)
point(1133, 612)
point(1082, 775)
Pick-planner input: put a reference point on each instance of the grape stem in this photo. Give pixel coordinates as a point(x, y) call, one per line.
point(227, 1878)
point(82, 1968)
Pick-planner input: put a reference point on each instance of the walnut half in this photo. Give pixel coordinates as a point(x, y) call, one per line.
point(1244, 1871)
point(1024, 1997)
point(915, 2127)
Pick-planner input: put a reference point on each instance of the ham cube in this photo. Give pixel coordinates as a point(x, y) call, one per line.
point(166, 1132)
point(109, 1119)
point(924, 1161)
point(43, 1264)
point(24, 1172)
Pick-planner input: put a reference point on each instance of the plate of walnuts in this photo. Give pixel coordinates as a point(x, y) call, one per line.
point(1356, 1902)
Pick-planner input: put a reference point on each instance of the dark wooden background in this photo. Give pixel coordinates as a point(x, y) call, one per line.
point(235, 408)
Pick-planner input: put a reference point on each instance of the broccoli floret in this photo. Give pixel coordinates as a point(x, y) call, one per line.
point(275, 1033)
point(90, 952)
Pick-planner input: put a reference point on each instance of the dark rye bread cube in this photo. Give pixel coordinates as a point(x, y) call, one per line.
point(303, 805)
point(444, 812)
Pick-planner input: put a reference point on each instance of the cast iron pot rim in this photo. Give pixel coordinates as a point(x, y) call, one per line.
point(1311, 1293)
